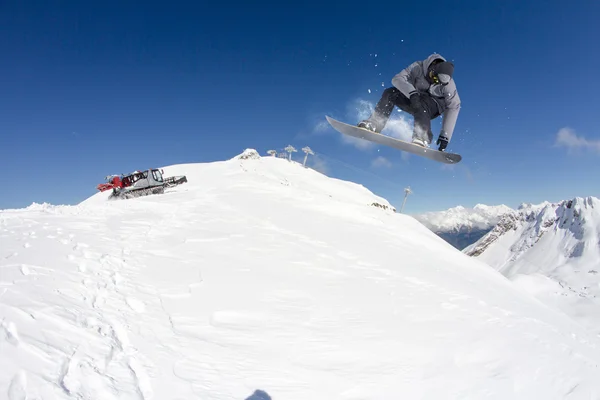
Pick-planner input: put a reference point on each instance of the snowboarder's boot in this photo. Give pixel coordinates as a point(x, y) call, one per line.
point(366, 124)
point(420, 142)
point(423, 142)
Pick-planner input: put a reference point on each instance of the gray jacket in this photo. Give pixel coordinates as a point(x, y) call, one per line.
point(412, 79)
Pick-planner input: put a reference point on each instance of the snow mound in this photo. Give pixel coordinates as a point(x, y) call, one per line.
point(248, 154)
point(267, 279)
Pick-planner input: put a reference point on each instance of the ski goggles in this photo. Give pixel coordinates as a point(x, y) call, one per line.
point(440, 79)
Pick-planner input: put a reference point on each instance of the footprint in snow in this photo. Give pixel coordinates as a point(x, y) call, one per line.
point(80, 246)
point(116, 278)
point(9, 330)
point(18, 387)
point(82, 266)
point(99, 300)
point(136, 305)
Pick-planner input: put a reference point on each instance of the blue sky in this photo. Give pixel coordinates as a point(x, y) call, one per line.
point(89, 91)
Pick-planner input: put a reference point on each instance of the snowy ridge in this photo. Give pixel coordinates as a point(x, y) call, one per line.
point(531, 207)
point(572, 220)
point(557, 244)
point(461, 226)
point(261, 276)
point(460, 218)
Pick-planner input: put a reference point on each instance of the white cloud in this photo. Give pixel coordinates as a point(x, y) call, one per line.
point(405, 156)
point(454, 169)
point(360, 144)
point(321, 126)
point(381, 162)
point(567, 138)
point(357, 111)
point(318, 164)
point(360, 109)
point(398, 126)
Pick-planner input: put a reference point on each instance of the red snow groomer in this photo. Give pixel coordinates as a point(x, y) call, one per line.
point(139, 183)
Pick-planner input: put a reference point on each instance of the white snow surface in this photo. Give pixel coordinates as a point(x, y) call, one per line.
point(259, 274)
point(460, 218)
point(552, 250)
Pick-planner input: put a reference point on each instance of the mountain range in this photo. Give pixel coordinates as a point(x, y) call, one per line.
point(461, 226)
point(553, 251)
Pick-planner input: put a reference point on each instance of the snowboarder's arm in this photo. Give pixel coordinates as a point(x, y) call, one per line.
point(451, 114)
point(403, 80)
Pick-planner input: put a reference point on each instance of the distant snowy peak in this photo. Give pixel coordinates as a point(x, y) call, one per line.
point(573, 224)
point(459, 218)
point(531, 206)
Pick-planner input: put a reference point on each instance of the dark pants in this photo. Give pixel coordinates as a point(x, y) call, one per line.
point(393, 97)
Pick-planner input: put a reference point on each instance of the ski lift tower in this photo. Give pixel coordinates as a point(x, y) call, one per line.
point(407, 191)
point(308, 151)
point(290, 149)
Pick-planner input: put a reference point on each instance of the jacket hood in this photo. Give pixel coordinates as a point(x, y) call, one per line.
point(427, 62)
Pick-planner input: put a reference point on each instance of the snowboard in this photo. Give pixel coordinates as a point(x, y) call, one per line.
point(365, 134)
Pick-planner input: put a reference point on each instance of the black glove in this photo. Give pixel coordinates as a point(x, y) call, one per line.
point(442, 142)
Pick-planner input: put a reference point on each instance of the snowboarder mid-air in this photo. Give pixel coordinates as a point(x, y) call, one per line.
point(426, 90)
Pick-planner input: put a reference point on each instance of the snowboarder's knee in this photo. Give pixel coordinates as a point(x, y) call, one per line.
point(390, 91)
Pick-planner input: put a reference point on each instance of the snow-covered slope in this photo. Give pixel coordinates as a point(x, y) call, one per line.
point(553, 249)
point(261, 276)
point(462, 226)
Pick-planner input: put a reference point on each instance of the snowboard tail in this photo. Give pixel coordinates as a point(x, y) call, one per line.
point(365, 134)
